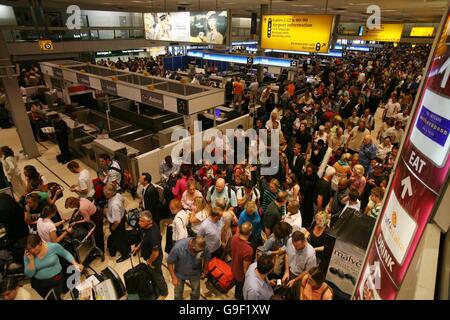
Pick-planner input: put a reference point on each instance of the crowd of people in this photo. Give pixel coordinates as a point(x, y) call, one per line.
point(139, 64)
point(271, 229)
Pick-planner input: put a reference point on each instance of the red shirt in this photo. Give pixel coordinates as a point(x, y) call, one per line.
point(237, 87)
point(291, 89)
point(241, 251)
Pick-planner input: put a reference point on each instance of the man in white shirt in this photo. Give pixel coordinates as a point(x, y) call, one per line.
point(115, 213)
point(384, 148)
point(392, 108)
point(180, 221)
point(353, 201)
point(395, 133)
point(112, 171)
point(293, 215)
point(403, 117)
point(168, 168)
point(85, 187)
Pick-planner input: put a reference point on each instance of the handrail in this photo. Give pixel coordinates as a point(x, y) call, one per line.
point(27, 28)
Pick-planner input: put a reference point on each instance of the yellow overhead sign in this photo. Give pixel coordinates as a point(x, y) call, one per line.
point(310, 33)
point(46, 45)
point(422, 31)
point(389, 32)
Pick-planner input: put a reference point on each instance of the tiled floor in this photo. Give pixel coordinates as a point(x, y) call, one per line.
point(48, 166)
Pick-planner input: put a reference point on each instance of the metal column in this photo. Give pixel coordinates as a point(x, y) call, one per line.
point(14, 102)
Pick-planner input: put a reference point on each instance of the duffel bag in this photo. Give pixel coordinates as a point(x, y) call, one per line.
point(220, 275)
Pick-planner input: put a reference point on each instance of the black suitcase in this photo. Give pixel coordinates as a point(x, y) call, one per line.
point(138, 281)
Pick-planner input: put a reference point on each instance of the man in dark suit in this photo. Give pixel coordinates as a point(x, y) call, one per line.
point(346, 108)
point(150, 197)
point(296, 161)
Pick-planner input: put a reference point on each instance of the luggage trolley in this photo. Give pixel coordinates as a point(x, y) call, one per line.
point(86, 250)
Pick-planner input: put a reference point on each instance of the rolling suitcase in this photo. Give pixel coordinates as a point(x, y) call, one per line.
point(139, 282)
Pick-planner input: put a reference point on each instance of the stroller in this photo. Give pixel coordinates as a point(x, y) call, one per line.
point(7, 250)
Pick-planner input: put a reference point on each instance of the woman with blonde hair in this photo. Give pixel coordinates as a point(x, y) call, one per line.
point(343, 170)
point(318, 233)
point(199, 212)
point(357, 179)
point(189, 195)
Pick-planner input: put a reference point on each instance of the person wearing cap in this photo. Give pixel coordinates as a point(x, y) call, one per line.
point(212, 34)
point(188, 261)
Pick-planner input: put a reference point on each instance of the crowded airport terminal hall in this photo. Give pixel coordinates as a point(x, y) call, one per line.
point(224, 150)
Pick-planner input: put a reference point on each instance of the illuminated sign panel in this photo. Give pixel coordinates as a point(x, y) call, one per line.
point(422, 32)
point(390, 32)
point(203, 27)
point(309, 33)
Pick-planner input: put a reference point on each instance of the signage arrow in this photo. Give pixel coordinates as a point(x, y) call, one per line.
point(406, 184)
point(445, 68)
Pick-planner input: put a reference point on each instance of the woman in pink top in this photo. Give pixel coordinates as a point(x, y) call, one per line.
point(189, 195)
point(181, 185)
point(85, 208)
point(357, 180)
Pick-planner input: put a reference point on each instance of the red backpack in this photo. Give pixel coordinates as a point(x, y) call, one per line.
point(220, 275)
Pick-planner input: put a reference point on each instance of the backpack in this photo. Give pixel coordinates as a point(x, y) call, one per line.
point(99, 197)
point(126, 180)
point(133, 218)
point(161, 194)
point(213, 188)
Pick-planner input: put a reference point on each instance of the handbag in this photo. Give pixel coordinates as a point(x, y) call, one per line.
point(169, 240)
point(53, 187)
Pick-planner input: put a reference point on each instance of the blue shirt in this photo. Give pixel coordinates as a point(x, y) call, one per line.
point(49, 266)
point(367, 153)
point(255, 288)
point(254, 219)
point(187, 265)
point(212, 233)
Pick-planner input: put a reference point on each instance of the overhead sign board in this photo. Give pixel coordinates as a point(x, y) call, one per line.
point(309, 33)
point(204, 27)
point(422, 31)
point(388, 32)
point(420, 176)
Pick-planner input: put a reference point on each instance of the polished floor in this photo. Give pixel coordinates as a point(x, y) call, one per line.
point(48, 166)
point(53, 171)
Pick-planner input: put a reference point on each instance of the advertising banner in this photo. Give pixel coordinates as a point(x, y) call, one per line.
point(388, 32)
point(307, 33)
point(209, 27)
point(422, 31)
point(421, 172)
